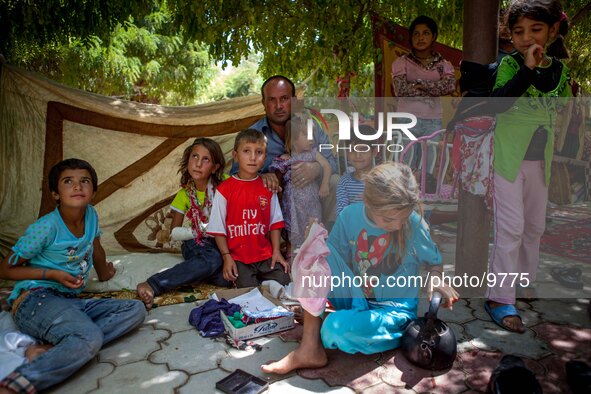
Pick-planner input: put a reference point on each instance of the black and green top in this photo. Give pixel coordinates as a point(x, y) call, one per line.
point(518, 130)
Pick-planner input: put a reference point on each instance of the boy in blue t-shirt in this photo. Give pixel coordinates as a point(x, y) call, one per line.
point(51, 263)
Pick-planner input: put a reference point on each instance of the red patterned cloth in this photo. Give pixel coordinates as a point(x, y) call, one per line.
point(476, 155)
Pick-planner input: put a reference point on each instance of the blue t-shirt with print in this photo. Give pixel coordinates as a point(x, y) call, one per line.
point(367, 249)
point(48, 243)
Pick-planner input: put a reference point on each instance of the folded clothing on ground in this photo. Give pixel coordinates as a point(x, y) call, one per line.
point(207, 320)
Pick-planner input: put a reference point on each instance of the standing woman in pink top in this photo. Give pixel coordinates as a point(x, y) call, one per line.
point(421, 75)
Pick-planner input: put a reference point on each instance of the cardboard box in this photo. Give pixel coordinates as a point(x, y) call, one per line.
point(254, 330)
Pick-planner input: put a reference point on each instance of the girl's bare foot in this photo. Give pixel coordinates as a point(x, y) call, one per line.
point(146, 294)
point(299, 358)
point(34, 351)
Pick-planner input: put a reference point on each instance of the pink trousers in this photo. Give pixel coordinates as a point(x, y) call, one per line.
point(519, 210)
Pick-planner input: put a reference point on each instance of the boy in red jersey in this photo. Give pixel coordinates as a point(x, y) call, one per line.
point(243, 212)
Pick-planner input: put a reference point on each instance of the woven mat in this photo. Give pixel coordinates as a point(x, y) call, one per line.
point(182, 294)
point(570, 240)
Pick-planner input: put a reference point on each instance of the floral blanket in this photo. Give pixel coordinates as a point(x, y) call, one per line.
point(182, 294)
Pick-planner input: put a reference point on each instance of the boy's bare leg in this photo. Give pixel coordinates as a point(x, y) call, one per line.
point(310, 353)
point(146, 294)
point(34, 351)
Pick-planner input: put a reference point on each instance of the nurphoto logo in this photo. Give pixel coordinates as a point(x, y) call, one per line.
point(394, 121)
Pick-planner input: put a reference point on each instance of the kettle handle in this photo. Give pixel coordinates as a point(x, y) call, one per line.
point(434, 307)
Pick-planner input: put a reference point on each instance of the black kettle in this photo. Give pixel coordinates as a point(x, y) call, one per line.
point(428, 342)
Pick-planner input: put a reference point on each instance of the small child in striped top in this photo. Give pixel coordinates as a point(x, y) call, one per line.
point(361, 158)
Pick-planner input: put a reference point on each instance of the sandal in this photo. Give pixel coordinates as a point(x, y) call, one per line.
point(578, 376)
point(568, 277)
point(511, 376)
point(498, 313)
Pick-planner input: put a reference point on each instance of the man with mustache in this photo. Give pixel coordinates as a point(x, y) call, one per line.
point(277, 93)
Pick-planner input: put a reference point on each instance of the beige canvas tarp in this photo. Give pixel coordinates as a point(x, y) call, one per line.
point(134, 147)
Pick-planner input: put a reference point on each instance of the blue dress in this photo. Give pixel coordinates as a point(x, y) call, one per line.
point(371, 319)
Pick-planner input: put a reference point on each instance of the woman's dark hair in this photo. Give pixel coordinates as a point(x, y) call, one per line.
point(504, 32)
point(547, 11)
point(422, 20)
point(217, 157)
point(70, 164)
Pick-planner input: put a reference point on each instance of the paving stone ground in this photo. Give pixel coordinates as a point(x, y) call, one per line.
point(167, 355)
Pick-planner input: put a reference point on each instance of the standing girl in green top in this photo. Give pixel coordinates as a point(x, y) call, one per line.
point(523, 145)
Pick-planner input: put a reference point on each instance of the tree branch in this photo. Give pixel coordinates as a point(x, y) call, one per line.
point(363, 10)
point(580, 14)
point(305, 82)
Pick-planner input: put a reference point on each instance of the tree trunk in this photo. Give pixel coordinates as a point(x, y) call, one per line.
point(480, 46)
